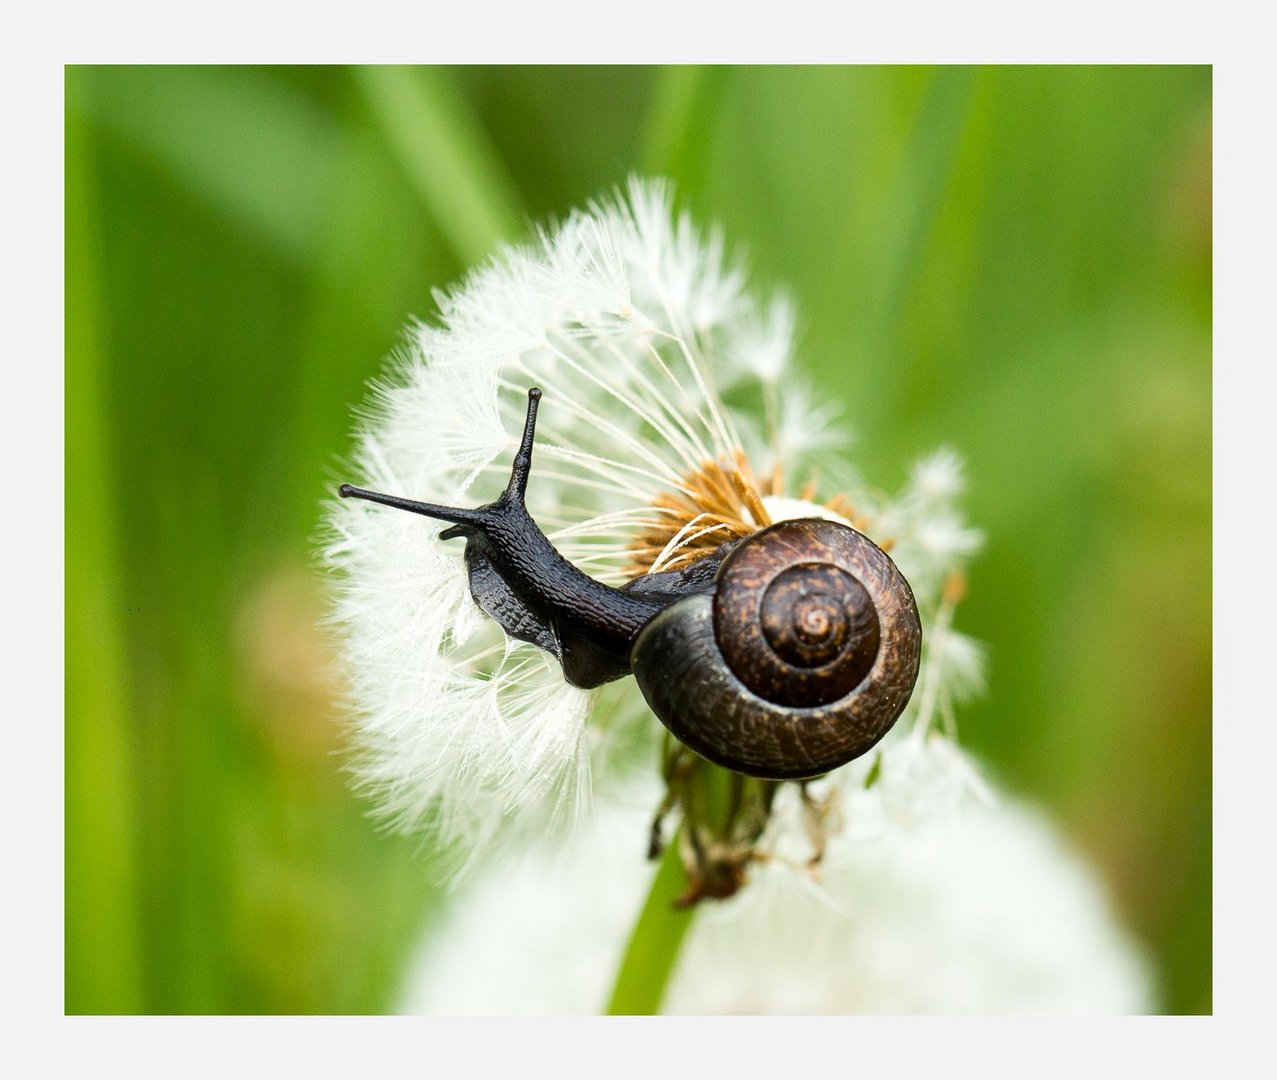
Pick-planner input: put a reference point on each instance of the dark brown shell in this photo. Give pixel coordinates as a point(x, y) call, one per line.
point(801, 660)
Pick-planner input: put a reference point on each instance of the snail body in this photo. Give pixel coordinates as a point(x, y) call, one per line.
point(782, 656)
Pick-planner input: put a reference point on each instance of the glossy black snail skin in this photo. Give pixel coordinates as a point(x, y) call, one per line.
point(783, 655)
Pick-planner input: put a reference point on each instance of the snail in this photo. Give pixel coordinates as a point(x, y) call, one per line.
point(782, 655)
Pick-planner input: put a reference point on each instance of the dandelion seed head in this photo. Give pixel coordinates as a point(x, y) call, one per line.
point(880, 927)
point(629, 317)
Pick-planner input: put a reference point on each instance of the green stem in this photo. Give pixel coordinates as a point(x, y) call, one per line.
point(654, 943)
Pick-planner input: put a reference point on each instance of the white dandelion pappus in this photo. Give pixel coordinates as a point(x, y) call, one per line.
point(982, 911)
point(631, 319)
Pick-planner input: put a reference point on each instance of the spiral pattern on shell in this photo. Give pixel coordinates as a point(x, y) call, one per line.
point(801, 660)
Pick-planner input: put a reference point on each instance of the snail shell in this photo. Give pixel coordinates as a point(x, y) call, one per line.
point(802, 658)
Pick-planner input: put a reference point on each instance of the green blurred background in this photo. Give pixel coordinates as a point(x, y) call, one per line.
point(1012, 261)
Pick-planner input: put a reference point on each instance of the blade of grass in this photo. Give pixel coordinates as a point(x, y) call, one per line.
point(684, 110)
point(910, 217)
point(102, 948)
point(440, 144)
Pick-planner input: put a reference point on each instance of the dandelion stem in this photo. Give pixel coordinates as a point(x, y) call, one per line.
point(654, 943)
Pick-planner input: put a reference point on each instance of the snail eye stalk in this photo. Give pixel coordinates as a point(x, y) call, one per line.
point(514, 493)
